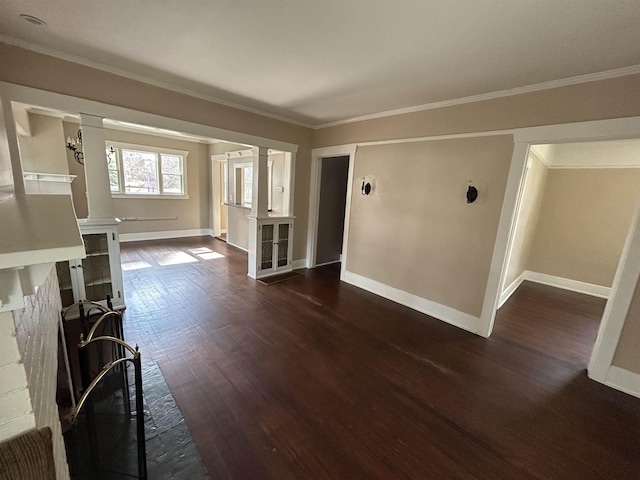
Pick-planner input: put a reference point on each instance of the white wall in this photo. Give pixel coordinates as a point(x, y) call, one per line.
point(44, 150)
point(29, 366)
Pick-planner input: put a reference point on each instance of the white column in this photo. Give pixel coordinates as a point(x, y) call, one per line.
point(11, 179)
point(260, 193)
point(259, 203)
point(95, 168)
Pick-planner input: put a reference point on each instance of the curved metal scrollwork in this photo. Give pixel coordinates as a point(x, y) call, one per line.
point(120, 362)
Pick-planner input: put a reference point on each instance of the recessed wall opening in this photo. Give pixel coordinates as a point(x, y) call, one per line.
point(328, 206)
point(575, 212)
point(333, 197)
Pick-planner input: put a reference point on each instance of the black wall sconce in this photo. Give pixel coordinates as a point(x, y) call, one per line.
point(110, 153)
point(76, 145)
point(472, 193)
point(368, 185)
point(78, 155)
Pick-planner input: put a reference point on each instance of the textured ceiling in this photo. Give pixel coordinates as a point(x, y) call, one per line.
point(326, 60)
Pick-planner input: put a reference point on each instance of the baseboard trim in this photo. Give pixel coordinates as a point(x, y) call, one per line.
point(237, 246)
point(510, 289)
point(441, 312)
point(326, 263)
point(623, 380)
point(138, 237)
point(568, 284)
point(298, 264)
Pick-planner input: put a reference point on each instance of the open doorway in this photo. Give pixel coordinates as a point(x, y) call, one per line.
point(334, 173)
point(575, 211)
point(219, 194)
point(328, 200)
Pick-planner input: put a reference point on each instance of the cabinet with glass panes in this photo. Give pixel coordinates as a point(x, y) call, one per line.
point(99, 274)
point(275, 245)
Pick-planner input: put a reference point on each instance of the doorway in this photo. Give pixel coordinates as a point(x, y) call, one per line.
point(218, 196)
point(334, 173)
point(327, 208)
point(574, 228)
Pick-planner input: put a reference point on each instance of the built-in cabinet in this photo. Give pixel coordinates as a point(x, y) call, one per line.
point(99, 274)
point(275, 246)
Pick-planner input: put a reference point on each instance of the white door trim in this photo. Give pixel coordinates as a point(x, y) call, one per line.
point(497, 270)
point(629, 267)
point(514, 227)
point(615, 312)
point(317, 155)
point(216, 194)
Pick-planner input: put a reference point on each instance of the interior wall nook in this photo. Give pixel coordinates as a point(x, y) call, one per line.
point(601, 365)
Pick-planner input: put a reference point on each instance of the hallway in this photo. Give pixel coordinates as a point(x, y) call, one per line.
point(313, 378)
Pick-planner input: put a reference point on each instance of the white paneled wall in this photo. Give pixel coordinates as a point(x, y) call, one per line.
point(28, 368)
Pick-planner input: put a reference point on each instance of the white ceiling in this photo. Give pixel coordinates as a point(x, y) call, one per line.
point(320, 61)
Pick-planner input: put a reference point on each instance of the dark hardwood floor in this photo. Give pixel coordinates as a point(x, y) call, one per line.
point(313, 378)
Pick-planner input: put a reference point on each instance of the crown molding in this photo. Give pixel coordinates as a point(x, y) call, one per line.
point(16, 42)
point(590, 77)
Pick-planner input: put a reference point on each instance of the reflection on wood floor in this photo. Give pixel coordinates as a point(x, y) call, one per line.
point(313, 378)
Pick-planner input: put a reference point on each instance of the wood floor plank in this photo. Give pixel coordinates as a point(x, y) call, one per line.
point(314, 378)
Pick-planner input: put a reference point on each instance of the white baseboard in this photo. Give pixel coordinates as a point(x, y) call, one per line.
point(423, 305)
point(623, 380)
point(237, 246)
point(568, 284)
point(327, 263)
point(510, 289)
point(137, 237)
point(297, 264)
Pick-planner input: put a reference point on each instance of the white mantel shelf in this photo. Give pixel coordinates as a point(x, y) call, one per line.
point(35, 232)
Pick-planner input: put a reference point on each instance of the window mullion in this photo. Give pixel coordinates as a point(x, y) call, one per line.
point(159, 172)
point(120, 166)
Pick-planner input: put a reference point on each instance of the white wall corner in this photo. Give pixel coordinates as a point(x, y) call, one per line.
point(441, 312)
point(510, 289)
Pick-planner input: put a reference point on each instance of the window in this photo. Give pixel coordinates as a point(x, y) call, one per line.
point(247, 182)
point(240, 190)
point(112, 165)
point(146, 171)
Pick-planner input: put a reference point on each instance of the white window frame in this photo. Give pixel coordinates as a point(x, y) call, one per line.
point(231, 190)
point(119, 146)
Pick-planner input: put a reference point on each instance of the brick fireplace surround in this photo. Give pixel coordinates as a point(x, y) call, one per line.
point(28, 368)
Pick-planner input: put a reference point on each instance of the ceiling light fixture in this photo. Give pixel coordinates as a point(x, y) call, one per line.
point(33, 20)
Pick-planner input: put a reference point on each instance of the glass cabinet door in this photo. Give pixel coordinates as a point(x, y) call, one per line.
point(283, 244)
point(96, 270)
point(266, 247)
